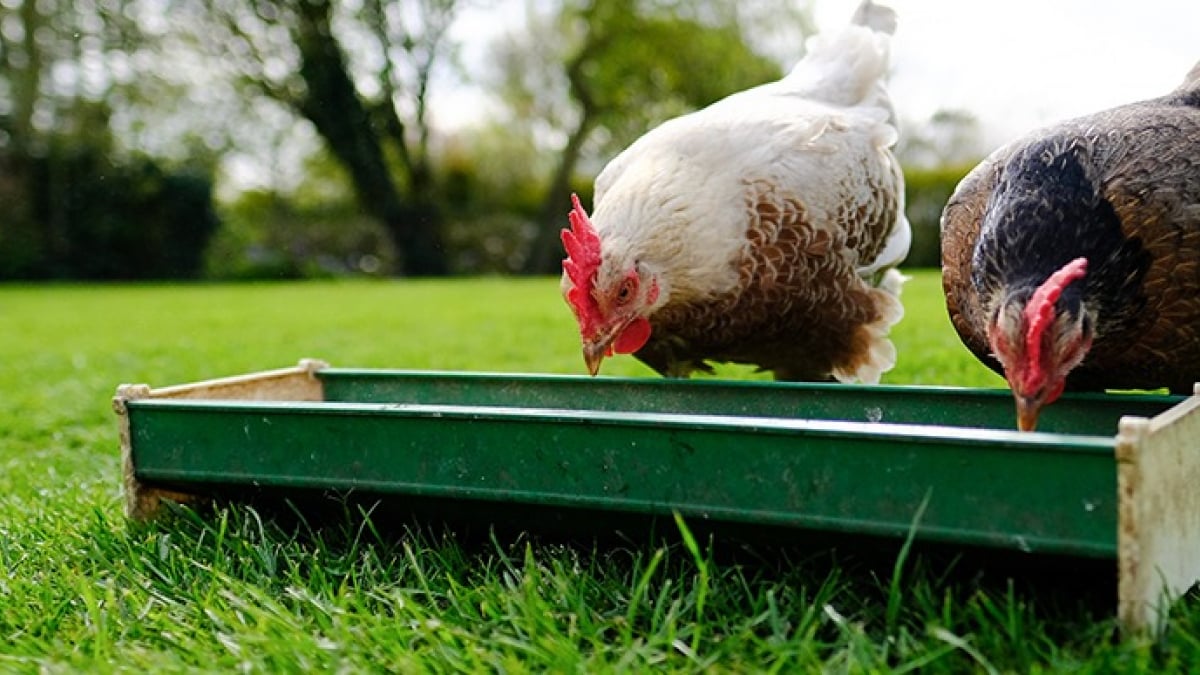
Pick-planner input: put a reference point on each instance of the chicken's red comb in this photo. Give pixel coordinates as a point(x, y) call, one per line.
point(582, 261)
point(1039, 313)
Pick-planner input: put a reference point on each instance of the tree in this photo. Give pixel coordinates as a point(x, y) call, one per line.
point(77, 205)
point(926, 192)
point(946, 138)
point(360, 74)
point(596, 75)
point(36, 40)
point(936, 154)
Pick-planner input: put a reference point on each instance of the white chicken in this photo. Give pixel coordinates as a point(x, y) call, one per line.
point(763, 229)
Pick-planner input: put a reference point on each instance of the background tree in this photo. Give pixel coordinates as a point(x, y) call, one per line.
point(79, 204)
point(360, 73)
point(949, 137)
point(315, 115)
point(590, 77)
point(936, 155)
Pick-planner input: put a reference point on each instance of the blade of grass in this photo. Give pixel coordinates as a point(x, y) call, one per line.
point(698, 557)
point(895, 596)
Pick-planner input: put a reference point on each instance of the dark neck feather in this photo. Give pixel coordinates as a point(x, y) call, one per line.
point(1047, 209)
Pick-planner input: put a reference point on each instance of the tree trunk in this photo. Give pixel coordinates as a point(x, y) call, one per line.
point(340, 116)
point(546, 252)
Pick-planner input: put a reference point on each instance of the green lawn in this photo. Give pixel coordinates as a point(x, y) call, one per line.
point(83, 590)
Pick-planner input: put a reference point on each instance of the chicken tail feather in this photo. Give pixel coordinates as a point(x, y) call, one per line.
point(848, 67)
point(874, 353)
point(876, 17)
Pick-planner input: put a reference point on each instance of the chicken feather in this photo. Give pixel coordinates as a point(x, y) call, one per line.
point(770, 221)
point(1116, 194)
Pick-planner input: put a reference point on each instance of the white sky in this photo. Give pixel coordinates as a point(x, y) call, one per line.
point(1018, 64)
point(1015, 64)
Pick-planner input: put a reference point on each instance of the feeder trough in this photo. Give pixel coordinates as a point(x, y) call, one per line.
point(1107, 476)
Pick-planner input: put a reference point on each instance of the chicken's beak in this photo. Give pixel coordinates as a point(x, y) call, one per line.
point(1027, 413)
point(600, 345)
point(593, 354)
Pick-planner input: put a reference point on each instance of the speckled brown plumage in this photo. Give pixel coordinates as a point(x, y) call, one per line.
point(1140, 165)
point(764, 229)
point(799, 307)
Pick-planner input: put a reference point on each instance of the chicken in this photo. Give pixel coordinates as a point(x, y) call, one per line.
point(763, 229)
point(1071, 256)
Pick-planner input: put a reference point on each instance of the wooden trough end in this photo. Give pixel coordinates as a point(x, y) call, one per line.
point(297, 383)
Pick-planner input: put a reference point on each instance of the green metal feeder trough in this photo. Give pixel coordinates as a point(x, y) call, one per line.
point(1108, 476)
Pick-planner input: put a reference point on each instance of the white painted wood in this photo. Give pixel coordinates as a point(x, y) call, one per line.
point(298, 383)
point(1158, 477)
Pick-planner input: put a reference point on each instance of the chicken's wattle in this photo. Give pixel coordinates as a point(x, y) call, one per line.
point(772, 222)
point(1071, 256)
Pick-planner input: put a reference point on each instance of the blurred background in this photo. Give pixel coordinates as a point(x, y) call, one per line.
point(268, 139)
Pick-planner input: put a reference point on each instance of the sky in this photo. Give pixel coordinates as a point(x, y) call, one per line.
point(1019, 64)
point(1015, 64)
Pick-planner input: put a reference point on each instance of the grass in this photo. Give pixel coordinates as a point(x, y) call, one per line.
point(83, 590)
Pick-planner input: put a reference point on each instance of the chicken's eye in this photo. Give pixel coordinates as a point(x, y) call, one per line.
point(625, 293)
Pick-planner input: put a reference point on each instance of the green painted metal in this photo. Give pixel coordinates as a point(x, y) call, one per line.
point(832, 458)
point(1035, 492)
point(950, 406)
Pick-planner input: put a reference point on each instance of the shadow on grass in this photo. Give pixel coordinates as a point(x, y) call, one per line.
point(704, 594)
point(874, 583)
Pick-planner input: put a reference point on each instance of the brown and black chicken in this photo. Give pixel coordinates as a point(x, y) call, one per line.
point(1071, 256)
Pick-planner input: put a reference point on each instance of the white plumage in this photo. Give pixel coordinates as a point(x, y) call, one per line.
point(753, 215)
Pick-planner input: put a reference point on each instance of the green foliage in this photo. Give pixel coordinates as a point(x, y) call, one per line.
point(269, 236)
point(634, 83)
point(80, 214)
point(604, 63)
point(230, 590)
point(491, 181)
point(947, 138)
point(926, 193)
point(591, 77)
